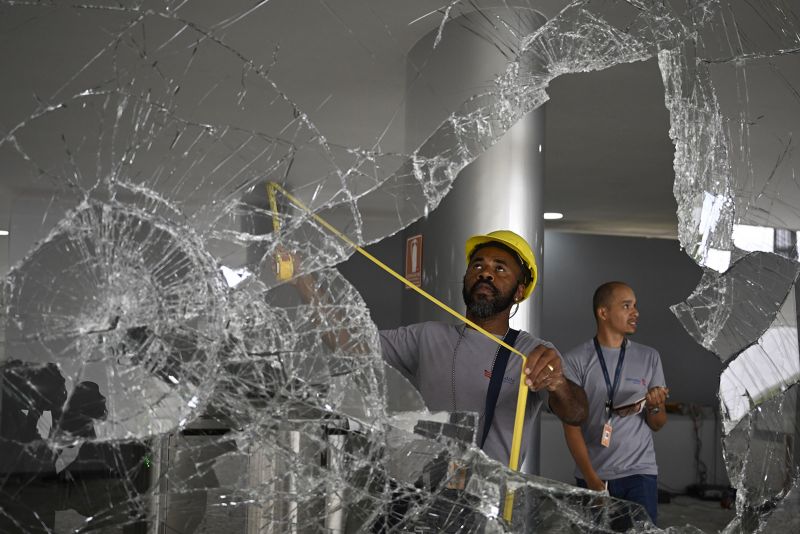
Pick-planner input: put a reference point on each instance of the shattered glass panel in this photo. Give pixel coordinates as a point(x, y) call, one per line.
point(139, 313)
point(158, 376)
point(751, 303)
point(761, 455)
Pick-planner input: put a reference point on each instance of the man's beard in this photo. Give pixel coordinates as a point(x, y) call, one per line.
point(485, 307)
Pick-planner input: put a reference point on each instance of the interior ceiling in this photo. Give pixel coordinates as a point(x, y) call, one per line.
point(608, 156)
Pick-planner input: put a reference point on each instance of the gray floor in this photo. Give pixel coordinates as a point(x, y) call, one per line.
point(708, 516)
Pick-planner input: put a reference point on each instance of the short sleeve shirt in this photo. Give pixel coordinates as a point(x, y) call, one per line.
point(425, 354)
point(631, 451)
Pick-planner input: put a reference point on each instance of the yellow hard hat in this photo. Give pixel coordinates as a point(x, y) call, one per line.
point(515, 243)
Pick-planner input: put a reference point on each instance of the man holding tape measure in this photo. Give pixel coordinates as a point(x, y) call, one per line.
point(455, 367)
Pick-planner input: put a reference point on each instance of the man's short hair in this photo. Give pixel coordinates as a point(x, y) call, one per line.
point(602, 295)
point(525, 276)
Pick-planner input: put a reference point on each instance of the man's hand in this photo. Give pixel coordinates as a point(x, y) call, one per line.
point(656, 397)
point(594, 483)
point(655, 412)
point(566, 400)
point(543, 369)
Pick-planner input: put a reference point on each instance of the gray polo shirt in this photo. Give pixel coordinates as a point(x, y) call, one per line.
point(631, 451)
point(424, 354)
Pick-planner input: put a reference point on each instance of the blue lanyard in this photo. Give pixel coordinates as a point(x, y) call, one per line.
point(612, 390)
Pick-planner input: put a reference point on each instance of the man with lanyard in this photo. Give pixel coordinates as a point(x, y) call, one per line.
point(624, 382)
point(457, 368)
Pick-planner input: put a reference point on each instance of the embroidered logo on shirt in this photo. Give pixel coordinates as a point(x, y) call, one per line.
point(507, 379)
point(637, 381)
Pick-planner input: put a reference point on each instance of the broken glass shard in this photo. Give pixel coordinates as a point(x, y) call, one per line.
point(728, 312)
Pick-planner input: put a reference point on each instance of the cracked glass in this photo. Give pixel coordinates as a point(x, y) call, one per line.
point(159, 377)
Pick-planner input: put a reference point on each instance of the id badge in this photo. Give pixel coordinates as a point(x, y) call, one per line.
point(605, 439)
point(456, 476)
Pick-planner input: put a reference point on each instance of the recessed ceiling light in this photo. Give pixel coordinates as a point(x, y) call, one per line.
point(553, 215)
point(3, 232)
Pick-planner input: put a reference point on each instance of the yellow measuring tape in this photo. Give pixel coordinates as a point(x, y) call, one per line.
point(522, 393)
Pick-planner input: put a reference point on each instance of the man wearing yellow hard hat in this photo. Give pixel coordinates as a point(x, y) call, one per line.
point(457, 368)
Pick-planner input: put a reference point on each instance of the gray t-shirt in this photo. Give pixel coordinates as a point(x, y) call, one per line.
point(424, 354)
point(631, 450)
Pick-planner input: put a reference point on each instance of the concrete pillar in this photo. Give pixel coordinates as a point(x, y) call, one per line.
point(502, 189)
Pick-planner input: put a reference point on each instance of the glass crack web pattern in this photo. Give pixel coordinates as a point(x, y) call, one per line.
point(158, 377)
